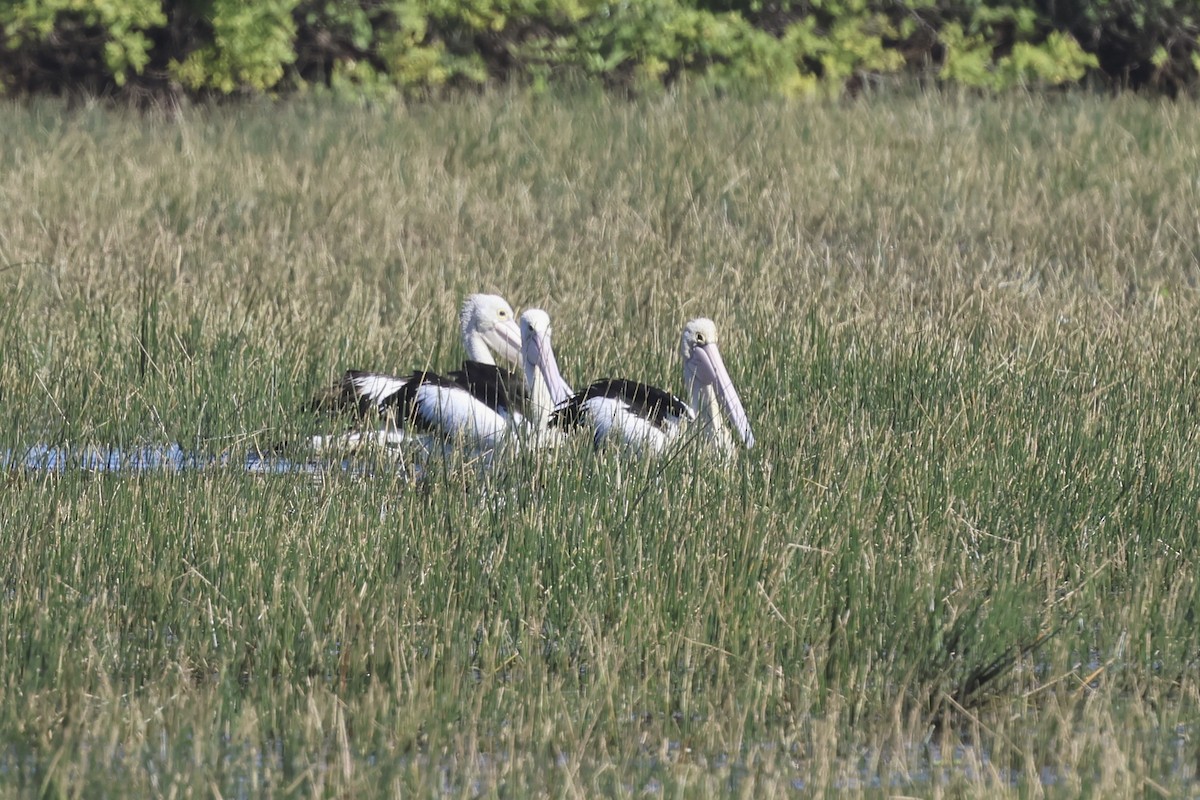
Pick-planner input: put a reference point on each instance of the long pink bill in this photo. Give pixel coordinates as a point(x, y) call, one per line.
point(505, 341)
point(540, 354)
point(710, 369)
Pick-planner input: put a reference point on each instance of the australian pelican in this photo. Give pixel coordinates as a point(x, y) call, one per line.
point(647, 419)
point(481, 405)
point(545, 387)
point(488, 327)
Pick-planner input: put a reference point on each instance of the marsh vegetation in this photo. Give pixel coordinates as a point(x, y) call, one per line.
point(961, 557)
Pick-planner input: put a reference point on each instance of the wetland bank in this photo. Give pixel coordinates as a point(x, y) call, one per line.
point(960, 558)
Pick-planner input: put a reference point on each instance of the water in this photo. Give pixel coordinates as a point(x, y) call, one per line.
point(169, 458)
point(52, 458)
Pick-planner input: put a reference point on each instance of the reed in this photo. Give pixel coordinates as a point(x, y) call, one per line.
point(961, 559)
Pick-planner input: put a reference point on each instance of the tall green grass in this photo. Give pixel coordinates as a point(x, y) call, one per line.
point(961, 559)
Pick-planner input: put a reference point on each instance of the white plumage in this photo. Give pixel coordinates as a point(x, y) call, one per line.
point(489, 330)
point(476, 406)
point(482, 404)
point(646, 419)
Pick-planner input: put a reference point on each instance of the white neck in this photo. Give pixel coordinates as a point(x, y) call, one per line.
point(540, 401)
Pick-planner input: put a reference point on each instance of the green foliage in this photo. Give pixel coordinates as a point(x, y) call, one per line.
point(414, 57)
point(968, 58)
point(667, 40)
point(969, 61)
point(381, 47)
point(124, 23)
point(1059, 59)
point(1151, 42)
point(1035, 59)
point(251, 45)
point(853, 44)
point(652, 41)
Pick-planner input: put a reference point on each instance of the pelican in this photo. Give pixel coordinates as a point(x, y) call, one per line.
point(545, 384)
point(482, 404)
point(488, 326)
point(648, 419)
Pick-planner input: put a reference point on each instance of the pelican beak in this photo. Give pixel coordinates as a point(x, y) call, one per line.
point(709, 369)
point(504, 339)
point(540, 355)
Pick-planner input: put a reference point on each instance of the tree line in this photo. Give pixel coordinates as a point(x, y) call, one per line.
point(170, 49)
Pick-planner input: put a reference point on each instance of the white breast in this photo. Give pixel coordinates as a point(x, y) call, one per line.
point(612, 419)
point(460, 416)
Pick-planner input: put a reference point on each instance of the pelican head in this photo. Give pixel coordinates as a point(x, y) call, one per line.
point(542, 377)
point(705, 376)
point(489, 326)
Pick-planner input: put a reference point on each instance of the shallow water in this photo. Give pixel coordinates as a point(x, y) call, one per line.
point(51, 458)
point(164, 458)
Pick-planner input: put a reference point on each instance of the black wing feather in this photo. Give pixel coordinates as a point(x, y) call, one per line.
point(406, 399)
point(647, 401)
point(493, 386)
point(345, 397)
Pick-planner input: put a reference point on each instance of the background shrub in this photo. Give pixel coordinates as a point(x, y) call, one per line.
point(368, 47)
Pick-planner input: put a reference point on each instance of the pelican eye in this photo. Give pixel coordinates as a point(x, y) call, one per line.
point(502, 314)
point(699, 338)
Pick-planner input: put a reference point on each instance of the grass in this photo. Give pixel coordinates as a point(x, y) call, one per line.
point(962, 559)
